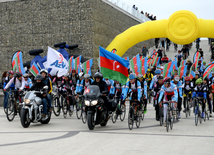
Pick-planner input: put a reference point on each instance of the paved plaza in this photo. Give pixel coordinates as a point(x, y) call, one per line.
point(71, 136)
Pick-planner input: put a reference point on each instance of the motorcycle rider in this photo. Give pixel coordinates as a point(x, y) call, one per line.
point(47, 82)
point(37, 86)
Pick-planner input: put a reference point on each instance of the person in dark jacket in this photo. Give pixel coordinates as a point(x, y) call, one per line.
point(74, 77)
point(37, 86)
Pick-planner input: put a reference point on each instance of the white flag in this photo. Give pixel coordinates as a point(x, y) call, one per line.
point(57, 62)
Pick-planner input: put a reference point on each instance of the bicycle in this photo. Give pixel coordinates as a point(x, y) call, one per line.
point(198, 111)
point(206, 112)
point(169, 115)
point(123, 110)
point(13, 105)
point(187, 102)
point(79, 105)
point(134, 114)
point(65, 104)
point(56, 102)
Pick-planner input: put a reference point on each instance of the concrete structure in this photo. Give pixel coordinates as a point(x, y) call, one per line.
point(32, 24)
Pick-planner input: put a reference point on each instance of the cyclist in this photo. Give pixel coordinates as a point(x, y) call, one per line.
point(87, 81)
point(200, 91)
point(187, 91)
point(195, 78)
point(175, 74)
point(81, 77)
point(155, 78)
point(57, 81)
point(19, 83)
point(28, 82)
point(133, 88)
point(37, 86)
point(178, 84)
point(109, 84)
point(67, 86)
point(12, 87)
point(47, 81)
point(165, 59)
point(179, 57)
point(169, 91)
point(74, 77)
point(206, 84)
point(157, 88)
point(143, 91)
point(148, 77)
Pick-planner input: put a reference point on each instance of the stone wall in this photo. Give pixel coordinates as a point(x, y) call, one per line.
point(33, 24)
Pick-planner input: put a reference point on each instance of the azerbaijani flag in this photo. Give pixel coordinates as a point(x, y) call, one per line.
point(154, 52)
point(208, 70)
point(17, 62)
point(35, 69)
point(135, 64)
point(167, 69)
point(126, 58)
point(157, 61)
point(71, 64)
point(154, 59)
point(192, 75)
point(149, 61)
point(144, 66)
point(77, 64)
point(183, 62)
point(182, 71)
point(196, 59)
point(113, 66)
point(87, 66)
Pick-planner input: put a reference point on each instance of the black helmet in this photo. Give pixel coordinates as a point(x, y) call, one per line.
point(39, 77)
point(98, 75)
point(18, 74)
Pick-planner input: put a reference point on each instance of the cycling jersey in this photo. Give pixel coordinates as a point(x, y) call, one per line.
point(149, 76)
point(18, 84)
point(171, 91)
point(132, 87)
point(85, 84)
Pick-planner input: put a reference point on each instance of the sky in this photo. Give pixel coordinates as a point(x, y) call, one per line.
point(162, 9)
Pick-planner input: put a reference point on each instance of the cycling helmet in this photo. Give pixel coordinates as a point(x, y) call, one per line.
point(25, 75)
point(81, 74)
point(166, 80)
point(10, 72)
point(175, 70)
point(39, 77)
point(73, 71)
point(196, 73)
point(160, 77)
point(98, 75)
point(140, 76)
point(204, 62)
point(18, 74)
point(176, 78)
point(148, 70)
point(132, 76)
point(158, 71)
point(44, 71)
point(66, 75)
point(187, 78)
point(87, 76)
point(199, 81)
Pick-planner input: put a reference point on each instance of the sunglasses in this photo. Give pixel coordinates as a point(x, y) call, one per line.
point(166, 82)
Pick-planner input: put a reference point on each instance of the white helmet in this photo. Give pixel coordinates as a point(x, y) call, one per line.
point(81, 74)
point(86, 76)
point(44, 70)
point(66, 75)
point(176, 78)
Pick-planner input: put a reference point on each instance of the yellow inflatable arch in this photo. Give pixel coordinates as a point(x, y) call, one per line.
point(182, 27)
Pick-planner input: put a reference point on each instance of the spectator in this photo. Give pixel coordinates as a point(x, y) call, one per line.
point(142, 12)
point(136, 8)
point(146, 14)
point(145, 51)
point(133, 6)
point(154, 18)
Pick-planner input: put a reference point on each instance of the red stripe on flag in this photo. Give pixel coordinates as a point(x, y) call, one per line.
point(18, 56)
point(135, 64)
point(168, 67)
point(113, 65)
point(87, 66)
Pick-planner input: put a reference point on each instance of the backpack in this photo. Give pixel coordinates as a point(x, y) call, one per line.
point(135, 84)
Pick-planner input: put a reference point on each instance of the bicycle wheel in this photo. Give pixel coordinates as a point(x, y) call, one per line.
point(64, 107)
point(161, 116)
point(79, 109)
point(187, 108)
point(56, 107)
point(167, 120)
point(114, 116)
point(138, 119)
point(171, 119)
point(10, 110)
point(142, 114)
point(131, 118)
point(123, 115)
point(84, 117)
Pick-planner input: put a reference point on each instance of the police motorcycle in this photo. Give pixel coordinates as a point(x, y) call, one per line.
point(95, 109)
point(32, 109)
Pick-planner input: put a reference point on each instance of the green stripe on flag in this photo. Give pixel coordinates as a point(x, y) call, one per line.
point(113, 75)
point(132, 65)
point(33, 72)
point(165, 69)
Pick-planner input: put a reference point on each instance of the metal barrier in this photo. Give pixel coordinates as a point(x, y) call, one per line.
point(127, 9)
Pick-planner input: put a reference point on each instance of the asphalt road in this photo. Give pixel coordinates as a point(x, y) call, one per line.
point(71, 136)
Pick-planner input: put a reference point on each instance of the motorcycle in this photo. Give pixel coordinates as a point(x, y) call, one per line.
point(32, 109)
point(95, 109)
